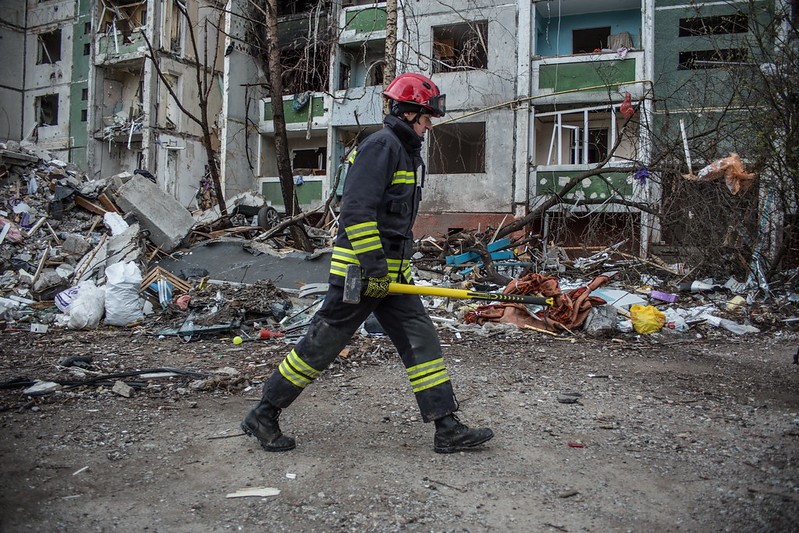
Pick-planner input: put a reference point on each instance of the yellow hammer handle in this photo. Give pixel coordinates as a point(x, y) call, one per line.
point(403, 288)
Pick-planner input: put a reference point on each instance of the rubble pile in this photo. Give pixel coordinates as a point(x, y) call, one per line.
point(75, 251)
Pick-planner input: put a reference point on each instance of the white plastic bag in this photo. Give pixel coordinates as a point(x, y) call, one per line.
point(122, 303)
point(86, 309)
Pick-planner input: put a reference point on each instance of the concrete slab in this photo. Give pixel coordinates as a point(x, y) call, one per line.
point(167, 221)
point(231, 261)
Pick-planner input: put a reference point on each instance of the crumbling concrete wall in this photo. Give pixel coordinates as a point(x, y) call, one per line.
point(12, 42)
point(491, 190)
point(49, 79)
point(240, 102)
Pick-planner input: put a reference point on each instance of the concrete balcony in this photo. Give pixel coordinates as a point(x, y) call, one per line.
point(357, 106)
point(297, 120)
point(112, 49)
point(362, 23)
point(589, 76)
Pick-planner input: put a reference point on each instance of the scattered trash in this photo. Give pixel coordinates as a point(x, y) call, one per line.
point(254, 492)
point(41, 388)
point(646, 319)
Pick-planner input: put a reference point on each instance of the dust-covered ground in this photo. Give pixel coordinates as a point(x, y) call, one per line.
point(694, 432)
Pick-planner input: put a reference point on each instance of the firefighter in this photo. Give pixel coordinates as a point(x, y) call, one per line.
point(379, 206)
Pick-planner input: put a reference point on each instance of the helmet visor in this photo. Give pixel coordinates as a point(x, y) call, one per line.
point(438, 104)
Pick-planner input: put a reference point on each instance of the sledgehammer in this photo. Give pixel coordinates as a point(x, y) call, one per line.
point(353, 286)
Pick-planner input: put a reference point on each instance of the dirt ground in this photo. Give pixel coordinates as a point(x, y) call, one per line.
point(693, 432)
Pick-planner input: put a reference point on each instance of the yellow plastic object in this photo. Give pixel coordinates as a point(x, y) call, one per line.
point(237, 340)
point(646, 319)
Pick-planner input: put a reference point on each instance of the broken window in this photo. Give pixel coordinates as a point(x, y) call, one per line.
point(304, 70)
point(175, 28)
point(579, 136)
point(310, 158)
point(705, 59)
point(121, 17)
point(460, 47)
point(87, 49)
point(84, 115)
point(84, 94)
point(169, 112)
point(343, 76)
point(716, 25)
point(49, 47)
point(47, 109)
point(590, 39)
point(596, 149)
point(293, 7)
point(458, 148)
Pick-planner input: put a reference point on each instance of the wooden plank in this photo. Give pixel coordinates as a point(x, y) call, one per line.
point(106, 202)
point(89, 206)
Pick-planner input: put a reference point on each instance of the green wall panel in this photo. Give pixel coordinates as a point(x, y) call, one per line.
point(307, 193)
point(366, 20)
point(548, 182)
point(317, 106)
point(566, 76)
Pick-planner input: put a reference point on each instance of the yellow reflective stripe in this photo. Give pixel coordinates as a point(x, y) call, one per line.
point(396, 266)
point(351, 159)
point(340, 259)
point(297, 371)
point(362, 233)
point(416, 371)
point(431, 381)
point(338, 269)
point(427, 375)
point(354, 227)
point(404, 177)
point(366, 245)
point(303, 367)
point(344, 255)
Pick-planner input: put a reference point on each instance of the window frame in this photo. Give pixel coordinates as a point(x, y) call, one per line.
point(449, 52)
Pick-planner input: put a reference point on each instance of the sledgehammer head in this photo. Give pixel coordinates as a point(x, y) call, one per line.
point(352, 285)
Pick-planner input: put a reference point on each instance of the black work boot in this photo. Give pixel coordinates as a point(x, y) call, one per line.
point(261, 423)
point(452, 436)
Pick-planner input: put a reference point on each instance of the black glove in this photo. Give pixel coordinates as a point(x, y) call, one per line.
point(377, 287)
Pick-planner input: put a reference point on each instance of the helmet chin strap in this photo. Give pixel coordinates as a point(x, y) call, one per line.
point(415, 120)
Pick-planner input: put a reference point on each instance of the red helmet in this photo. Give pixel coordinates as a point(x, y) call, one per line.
point(417, 89)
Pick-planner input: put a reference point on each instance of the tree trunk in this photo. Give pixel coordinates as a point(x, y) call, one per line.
point(390, 71)
point(275, 74)
point(390, 58)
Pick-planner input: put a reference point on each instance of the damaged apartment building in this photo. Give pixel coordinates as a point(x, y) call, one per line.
point(88, 91)
point(537, 93)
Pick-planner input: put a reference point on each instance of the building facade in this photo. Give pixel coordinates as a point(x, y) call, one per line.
point(538, 95)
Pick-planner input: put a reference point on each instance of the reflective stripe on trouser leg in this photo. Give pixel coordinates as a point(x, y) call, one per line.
point(406, 322)
point(328, 333)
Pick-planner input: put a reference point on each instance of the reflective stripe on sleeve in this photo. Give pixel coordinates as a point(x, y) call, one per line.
point(340, 259)
point(404, 177)
point(364, 237)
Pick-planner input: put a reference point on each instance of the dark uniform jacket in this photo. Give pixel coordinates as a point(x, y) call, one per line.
point(379, 205)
